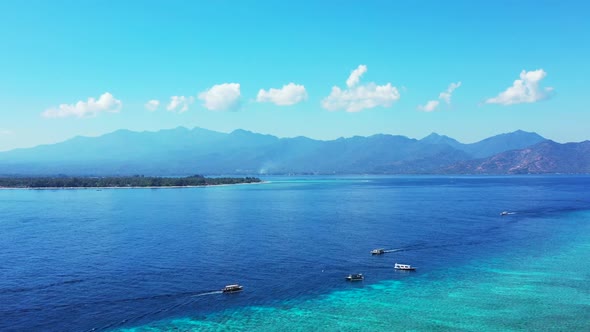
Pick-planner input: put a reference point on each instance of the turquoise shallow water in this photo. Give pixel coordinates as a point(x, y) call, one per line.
point(533, 287)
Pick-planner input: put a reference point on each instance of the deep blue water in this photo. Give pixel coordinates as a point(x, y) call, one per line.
point(75, 260)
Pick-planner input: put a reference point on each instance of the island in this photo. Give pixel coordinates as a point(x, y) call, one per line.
point(138, 181)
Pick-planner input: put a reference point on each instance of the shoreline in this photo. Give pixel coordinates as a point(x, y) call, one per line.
point(130, 187)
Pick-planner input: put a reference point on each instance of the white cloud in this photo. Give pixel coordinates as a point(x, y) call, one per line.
point(289, 94)
point(360, 96)
point(355, 76)
point(446, 95)
point(105, 103)
point(524, 90)
point(221, 97)
point(152, 105)
point(180, 103)
point(430, 106)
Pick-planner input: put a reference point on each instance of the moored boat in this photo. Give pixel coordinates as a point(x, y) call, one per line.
point(232, 288)
point(404, 267)
point(355, 277)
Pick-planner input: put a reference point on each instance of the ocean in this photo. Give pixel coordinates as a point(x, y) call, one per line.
point(155, 259)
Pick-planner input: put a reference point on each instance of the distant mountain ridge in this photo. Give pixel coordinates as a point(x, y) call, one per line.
point(545, 157)
point(182, 151)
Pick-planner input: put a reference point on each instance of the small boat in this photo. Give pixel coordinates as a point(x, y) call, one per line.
point(404, 267)
point(232, 288)
point(355, 277)
point(377, 251)
point(504, 213)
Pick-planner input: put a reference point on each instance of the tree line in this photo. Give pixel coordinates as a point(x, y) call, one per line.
point(119, 181)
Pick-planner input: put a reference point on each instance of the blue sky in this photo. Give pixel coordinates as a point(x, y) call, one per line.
point(466, 69)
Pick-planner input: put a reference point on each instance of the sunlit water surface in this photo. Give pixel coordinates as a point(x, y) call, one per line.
point(155, 259)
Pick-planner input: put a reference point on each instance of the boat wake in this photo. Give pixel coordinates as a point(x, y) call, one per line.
point(40, 287)
point(416, 246)
point(155, 312)
point(208, 293)
point(434, 246)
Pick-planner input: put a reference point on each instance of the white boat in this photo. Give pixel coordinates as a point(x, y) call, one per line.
point(232, 288)
point(404, 267)
point(504, 213)
point(355, 277)
point(377, 251)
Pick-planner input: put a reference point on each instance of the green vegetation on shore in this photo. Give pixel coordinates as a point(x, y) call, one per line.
point(123, 181)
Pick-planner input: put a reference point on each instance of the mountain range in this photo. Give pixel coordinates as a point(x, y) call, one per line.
point(182, 151)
